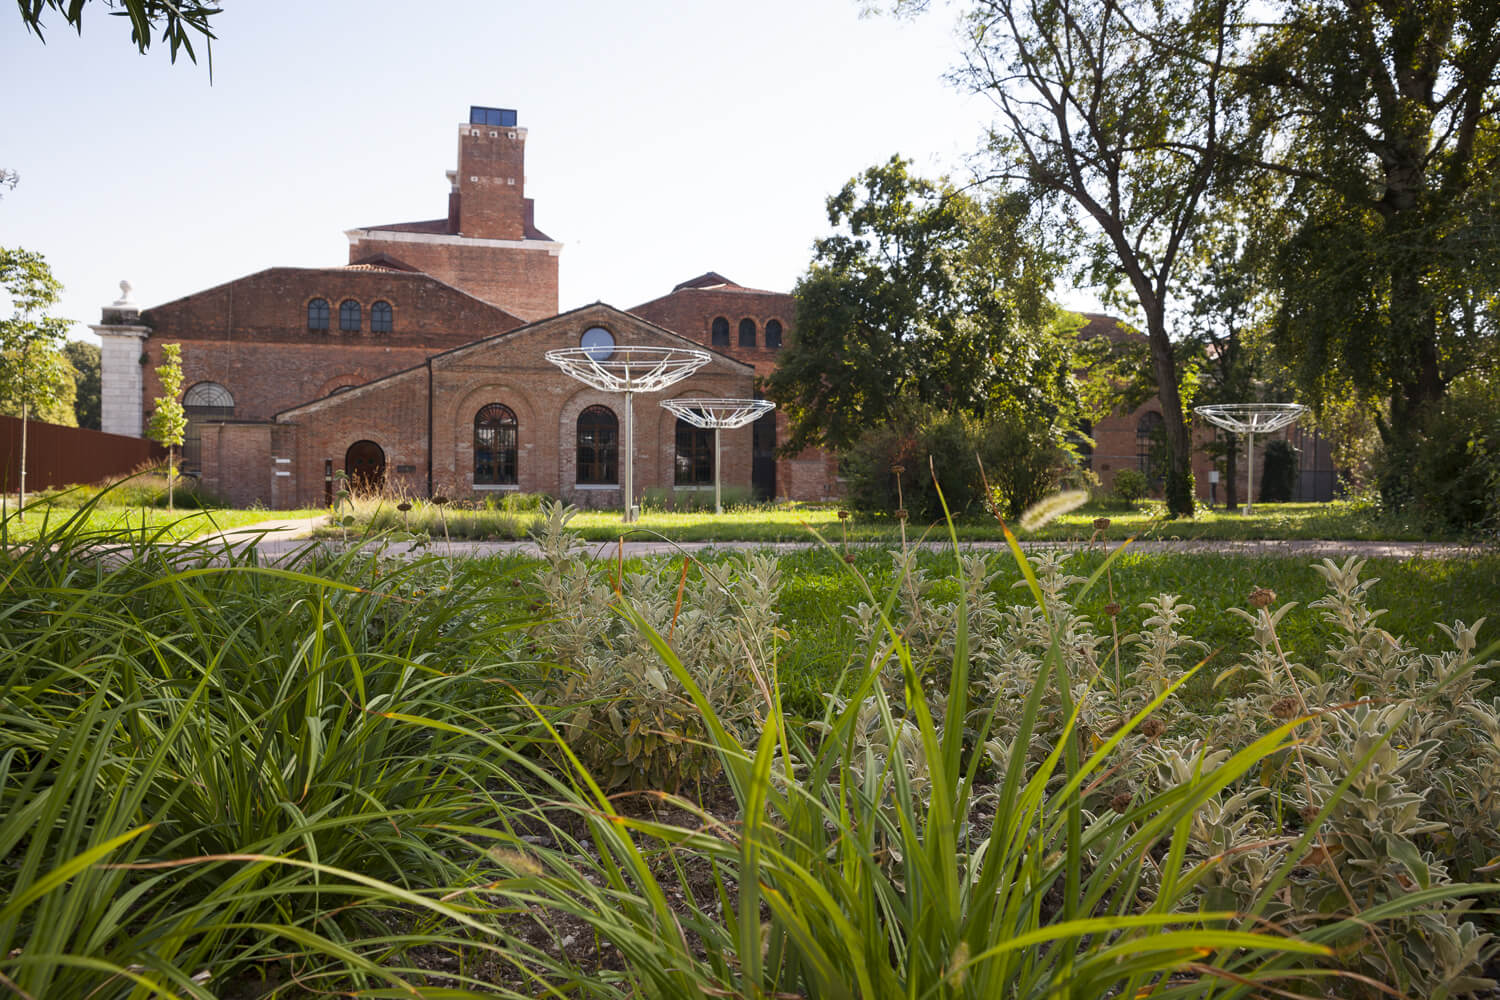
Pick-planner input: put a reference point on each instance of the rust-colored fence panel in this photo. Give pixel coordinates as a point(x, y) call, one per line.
point(58, 456)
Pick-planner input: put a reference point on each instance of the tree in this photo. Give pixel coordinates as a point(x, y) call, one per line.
point(1385, 118)
point(1114, 116)
point(32, 372)
point(169, 420)
point(924, 295)
point(84, 357)
point(179, 21)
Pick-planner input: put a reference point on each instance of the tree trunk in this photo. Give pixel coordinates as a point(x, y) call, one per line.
point(1179, 488)
point(1231, 471)
point(171, 475)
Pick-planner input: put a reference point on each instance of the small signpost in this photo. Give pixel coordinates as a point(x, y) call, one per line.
point(628, 370)
point(718, 414)
point(1251, 419)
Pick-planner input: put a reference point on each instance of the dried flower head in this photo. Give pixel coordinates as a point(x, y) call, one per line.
point(1120, 803)
point(1152, 728)
point(901, 514)
point(439, 499)
point(1101, 524)
point(896, 470)
point(843, 515)
point(1112, 609)
point(1285, 708)
point(403, 506)
point(1262, 597)
point(849, 558)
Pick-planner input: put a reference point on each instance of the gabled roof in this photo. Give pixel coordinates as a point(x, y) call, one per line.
point(382, 262)
point(708, 279)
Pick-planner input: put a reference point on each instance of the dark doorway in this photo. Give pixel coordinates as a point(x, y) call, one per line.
point(364, 463)
point(763, 457)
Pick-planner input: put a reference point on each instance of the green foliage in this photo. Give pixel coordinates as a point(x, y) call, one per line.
point(177, 20)
point(1131, 485)
point(168, 424)
point(1021, 459)
point(211, 769)
point(677, 498)
point(84, 357)
point(1278, 476)
point(1447, 475)
point(631, 722)
point(1387, 275)
point(925, 295)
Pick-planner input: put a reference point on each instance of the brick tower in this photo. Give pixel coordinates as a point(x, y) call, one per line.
point(488, 245)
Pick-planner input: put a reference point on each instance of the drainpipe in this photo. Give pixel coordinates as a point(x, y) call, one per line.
point(429, 428)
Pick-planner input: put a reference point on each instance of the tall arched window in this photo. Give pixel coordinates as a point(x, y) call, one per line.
point(720, 337)
point(380, 318)
point(695, 455)
point(747, 333)
point(201, 403)
point(1150, 439)
point(598, 447)
point(495, 446)
point(349, 316)
point(317, 314)
point(773, 334)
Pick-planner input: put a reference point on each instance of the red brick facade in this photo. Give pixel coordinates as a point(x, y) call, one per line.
point(449, 389)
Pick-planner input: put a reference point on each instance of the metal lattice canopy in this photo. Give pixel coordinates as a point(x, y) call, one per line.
point(718, 414)
point(1251, 419)
point(628, 370)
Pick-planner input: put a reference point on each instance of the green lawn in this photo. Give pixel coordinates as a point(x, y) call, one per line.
point(1339, 520)
point(156, 523)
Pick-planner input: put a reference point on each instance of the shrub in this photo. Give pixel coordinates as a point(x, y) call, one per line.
point(1278, 479)
point(1022, 461)
point(1448, 473)
point(632, 723)
point(1131, 485)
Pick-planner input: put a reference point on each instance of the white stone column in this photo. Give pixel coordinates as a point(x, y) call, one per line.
point(122, 378)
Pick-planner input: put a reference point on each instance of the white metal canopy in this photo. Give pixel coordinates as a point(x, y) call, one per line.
point(629, 370)
point(1251, 419)
point(718, 414)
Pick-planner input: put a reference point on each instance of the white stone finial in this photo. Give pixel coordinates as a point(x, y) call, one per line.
point(124, 299)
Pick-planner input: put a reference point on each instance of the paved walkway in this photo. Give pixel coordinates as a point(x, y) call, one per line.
point(277, 539)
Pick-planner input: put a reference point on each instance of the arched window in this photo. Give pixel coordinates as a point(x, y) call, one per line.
point(747, 333)
point(380, 317)
point(720, 336)
point(495, 446)
point(695, 455)
point(598, 447)
point(349, 316)
point(773, 334)
point(203, 402)
point(1150, 442)
point(317, 314)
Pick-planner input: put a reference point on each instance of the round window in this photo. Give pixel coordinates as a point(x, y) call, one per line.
point(599, 342)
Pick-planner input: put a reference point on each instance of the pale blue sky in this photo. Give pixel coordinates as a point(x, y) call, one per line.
point(666, 137)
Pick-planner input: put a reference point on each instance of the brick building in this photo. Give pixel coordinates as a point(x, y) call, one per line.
point(418, 366)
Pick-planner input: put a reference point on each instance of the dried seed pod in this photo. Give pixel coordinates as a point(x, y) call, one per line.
point(901, 514)
point(1101, 524)
point(896, 470)
point(1112, 609)
point(439, 499)
point(403, 506)
point(1262, 597)
point(1120, 803)
point(1286, 708)
point(843, 515)
point(1152, 728)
